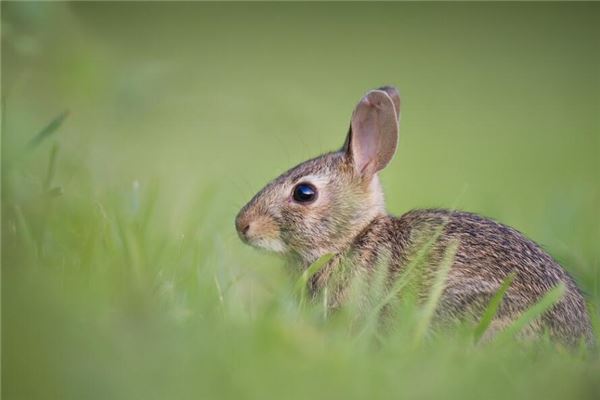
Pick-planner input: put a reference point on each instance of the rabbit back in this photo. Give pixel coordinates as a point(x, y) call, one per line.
point(487, 253)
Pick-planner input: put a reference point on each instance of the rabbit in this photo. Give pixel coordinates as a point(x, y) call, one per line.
point(334, 204)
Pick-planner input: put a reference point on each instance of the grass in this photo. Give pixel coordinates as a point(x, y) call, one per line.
point(122, 275)
point(105, 304)
point(492, 307)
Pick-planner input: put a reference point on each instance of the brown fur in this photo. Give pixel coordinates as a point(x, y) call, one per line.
point(348, 219)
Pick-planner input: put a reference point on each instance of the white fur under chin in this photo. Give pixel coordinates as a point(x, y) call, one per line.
point(274, 245)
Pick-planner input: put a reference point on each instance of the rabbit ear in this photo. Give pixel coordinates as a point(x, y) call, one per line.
point(395, 96)
point(373, 134)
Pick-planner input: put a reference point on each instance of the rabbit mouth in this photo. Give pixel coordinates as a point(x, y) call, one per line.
point(269, 244)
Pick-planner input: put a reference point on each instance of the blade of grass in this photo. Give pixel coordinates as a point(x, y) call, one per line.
point(492, 307)
point(24, 231)
point(302, 282)
point(550, 298)
point(436, 292)
point(405, 278)
point(219, 293)
point(51, 167)
point(132, 248)
point(48, 130)
point(45, 133)
point(148, 206)
point(372, 290)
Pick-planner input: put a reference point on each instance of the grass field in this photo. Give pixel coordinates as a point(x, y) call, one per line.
point(122, 274)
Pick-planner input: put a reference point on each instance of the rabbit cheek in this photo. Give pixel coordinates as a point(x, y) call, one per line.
point(303, 228)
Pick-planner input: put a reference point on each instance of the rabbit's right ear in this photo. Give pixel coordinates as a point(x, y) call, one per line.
point(373, 134)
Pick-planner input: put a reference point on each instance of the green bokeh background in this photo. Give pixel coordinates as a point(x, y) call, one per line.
point(196, 106)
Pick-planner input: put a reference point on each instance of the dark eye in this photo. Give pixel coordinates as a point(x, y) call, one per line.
point(304, 193)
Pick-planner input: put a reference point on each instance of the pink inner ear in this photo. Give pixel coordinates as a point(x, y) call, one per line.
point(374, 132)
point(366, 144)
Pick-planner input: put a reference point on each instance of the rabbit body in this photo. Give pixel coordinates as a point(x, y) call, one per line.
point(487, 253)
point(334, 204)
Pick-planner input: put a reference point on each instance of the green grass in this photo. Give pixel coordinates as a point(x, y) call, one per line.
point(122, 274)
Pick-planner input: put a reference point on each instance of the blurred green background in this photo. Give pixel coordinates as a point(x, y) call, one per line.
point(123, 276)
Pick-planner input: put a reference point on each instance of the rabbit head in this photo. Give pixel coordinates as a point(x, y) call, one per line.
point(321, 205)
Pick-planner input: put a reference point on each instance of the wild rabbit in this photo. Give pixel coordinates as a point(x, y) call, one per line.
point(333, 204)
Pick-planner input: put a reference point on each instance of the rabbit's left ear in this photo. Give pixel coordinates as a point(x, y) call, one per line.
point(373, 135)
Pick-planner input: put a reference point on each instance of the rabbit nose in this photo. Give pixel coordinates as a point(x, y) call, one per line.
point(242, 226)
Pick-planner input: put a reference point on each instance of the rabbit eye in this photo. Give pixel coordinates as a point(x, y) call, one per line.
point(304, 193)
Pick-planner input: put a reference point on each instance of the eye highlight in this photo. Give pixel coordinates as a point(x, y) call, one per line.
point(304, 193)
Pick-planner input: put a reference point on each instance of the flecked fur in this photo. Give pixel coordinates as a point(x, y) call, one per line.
point(348, 219)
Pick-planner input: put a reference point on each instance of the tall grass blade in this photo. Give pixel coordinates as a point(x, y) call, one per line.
point(409, 272)
point(436, 292)
point(25, 233)
point(47, 131)
point(374, 292)
point(302, 282)
point(492, 307)
point(51, 168)
point(544, 304)
point(407, 276)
